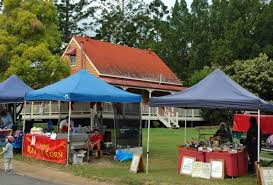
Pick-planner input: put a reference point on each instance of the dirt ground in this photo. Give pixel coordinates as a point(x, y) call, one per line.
point(42, 172)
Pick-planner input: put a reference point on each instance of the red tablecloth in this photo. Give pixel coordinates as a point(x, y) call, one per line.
point(241, 123)
point(235, 164)
point(199, 156)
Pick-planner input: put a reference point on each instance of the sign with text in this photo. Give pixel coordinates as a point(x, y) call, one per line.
point(45, 148)
point(266, 175)
point(217, 169)
point(201, 170)
point(186, 165)
point(137, 164)
point(206, 171)
point(196, 169)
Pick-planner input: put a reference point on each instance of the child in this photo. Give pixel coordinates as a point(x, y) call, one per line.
point(8, 154)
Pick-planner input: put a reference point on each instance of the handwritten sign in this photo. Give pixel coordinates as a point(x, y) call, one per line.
point(217, 169)
point(137, 164)
point(206, 171)
point(201, 170)
point(196, 169)
point(186, 166)
point(266, 175)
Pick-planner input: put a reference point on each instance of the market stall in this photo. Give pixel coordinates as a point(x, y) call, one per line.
point(215, 91)
point(80, 87)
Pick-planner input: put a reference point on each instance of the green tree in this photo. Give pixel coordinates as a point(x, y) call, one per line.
point(175, 39)
point(28, 40)
point(198, 76)
point(200, 36)
point(128, 25)
point(75, 17)
point(256, 75)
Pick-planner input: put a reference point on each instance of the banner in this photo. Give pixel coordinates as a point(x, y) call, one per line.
point(45, 148)
point(241, 123)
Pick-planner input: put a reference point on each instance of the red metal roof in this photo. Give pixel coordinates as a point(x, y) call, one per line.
point(143, 84)
point(125, 62)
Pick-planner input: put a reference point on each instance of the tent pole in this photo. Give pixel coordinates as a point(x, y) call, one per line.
point(59, 118)
point(259, 137)
point(148, 141)
point(92, 118)
point(24, 120)
point(14, 113)
point(24, 125)
point(185, 129)
point(68, 133)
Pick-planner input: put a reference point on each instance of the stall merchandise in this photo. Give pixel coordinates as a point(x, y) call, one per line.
point(235, 162)
point(215, 91)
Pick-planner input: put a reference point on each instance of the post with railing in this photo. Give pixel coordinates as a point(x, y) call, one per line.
point(169, 118)
point(31, 110)
point(176, 116)
point(50, 108)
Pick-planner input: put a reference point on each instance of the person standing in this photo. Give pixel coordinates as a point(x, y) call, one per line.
point(64, 125)
point(8, 154)
point(251, 144)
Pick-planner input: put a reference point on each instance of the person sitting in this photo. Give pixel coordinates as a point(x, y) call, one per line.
point(222, 133)
point(96, 142)
point(64, 125)
point(6, 119)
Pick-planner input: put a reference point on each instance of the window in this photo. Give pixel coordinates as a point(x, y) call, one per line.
point(73, 60)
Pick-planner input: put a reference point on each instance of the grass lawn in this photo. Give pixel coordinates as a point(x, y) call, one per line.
point(163, 164)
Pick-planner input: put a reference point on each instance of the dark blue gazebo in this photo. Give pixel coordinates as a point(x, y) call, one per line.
point(13, 90)
point(215, 91)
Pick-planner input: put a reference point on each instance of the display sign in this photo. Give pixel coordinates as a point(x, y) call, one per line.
point(45, 149)
point(217, 169)
point(186, 165)
point(206, 171)
point(201, 170)
point(266, 175)
point(137, 164)
point(196, 169)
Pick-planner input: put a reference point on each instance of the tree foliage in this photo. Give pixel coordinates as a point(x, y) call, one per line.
point(75, 17)
point(256, 75)
point(28, 40)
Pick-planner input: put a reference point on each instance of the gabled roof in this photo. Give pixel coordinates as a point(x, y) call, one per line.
point(125, 62)
point(13, 90)
point(215, 91)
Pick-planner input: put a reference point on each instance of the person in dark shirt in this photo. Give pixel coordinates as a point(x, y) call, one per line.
point(251, 144)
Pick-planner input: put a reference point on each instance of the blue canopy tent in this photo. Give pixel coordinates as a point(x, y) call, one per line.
point(82, 87)
point(13, 90)
point(215, 91)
